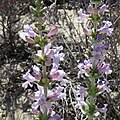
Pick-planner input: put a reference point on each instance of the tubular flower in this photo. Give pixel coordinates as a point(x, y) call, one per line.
point(51, 53)
point(84, 67)
point(56, 75)
point(57, 94)
point(103, 86)
point(82, 16)
point(106, 28)
point(30, 79)
point(104, 68)
point(52, 31)
point(103, 110)
point(102, 9)
point(36, 72)
point(41, 102)
point(28, 34)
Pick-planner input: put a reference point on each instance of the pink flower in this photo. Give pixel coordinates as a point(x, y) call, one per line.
point(56, 75)
point(28, 34)
point(97, 57)
point(104, 68)
point(84, 67)
point(102, 9)
point(36, 72)
point(106, 28)
point(101, 47)
point(56, 94)
point(36, 75)
point(30, 79)
point(48, 51)
point(103, 110)
point(41, 102)
point(103, 86)
point(52, 31)
point(82, 15)
point(93, 10)
point(48, 54)
point(57, 55)
point(51, 53)
point(90, 9)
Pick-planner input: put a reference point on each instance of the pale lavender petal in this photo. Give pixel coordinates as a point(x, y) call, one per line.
point(104, 68)
point(23, 35)
point(36, 72)
point(103, 110)
point(42, 108)
point(63, 82)
point(47, 49)
point(29, 77)
point(82, 15)
point(107, 24)
point(29, 30)
point(35, 106)
point(102, 9)
point(41, 89)
point(55, 117)
point(25, 84)
point(106, 28)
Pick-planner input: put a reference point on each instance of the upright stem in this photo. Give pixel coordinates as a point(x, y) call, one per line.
point(90, 117)
point(44, 80)
point(45, 114)
point(92, 100)
point(45, 91)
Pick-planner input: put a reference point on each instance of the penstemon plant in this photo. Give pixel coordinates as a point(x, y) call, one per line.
point(94, 67)
point(45, 74)
point(49, 80)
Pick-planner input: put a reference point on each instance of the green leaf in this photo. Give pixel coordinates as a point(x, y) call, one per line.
point(38, 3)
point(91, 109)
point(32, 10)
point(95, 17)
point(97, 2)
point(91, 89)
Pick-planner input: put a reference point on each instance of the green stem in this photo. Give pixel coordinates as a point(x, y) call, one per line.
point(92, 100)
point(90, 117)
point(45, 91)
point(44, 117)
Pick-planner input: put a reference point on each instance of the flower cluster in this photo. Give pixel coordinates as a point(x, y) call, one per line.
point(47, 78)
point(94, 68)
point(44, 74)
